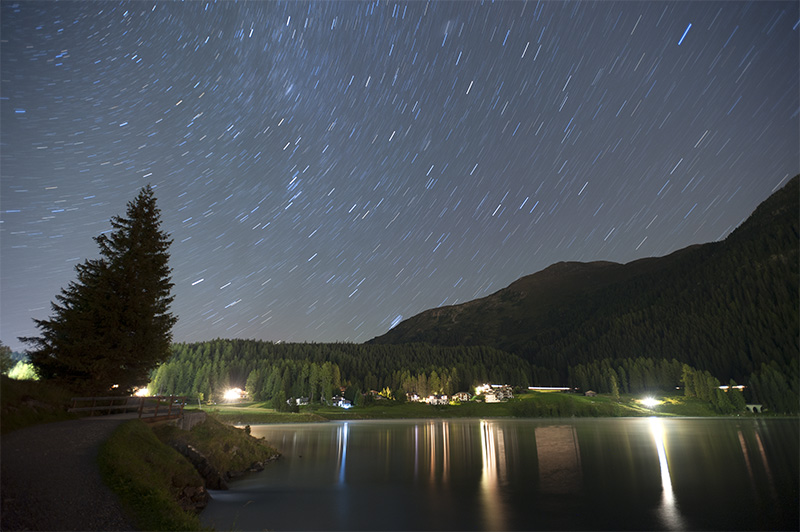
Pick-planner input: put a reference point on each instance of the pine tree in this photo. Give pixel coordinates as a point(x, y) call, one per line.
point(614, 388)
point(6, 362)
point(736, 397)
point(112, 325)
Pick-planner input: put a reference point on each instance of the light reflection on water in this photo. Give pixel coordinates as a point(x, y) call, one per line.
point(493, 474)
point(669, 511)
point(648, 473)
point(341, 440)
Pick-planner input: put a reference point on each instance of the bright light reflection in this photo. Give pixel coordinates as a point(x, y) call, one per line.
point(490, 482)
point(669, 510)
point(343, 432)
point(142, 392)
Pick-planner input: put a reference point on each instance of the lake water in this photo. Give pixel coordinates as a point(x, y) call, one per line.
point(564, 474)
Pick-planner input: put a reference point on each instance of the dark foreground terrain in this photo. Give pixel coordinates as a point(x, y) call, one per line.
point(51, 481)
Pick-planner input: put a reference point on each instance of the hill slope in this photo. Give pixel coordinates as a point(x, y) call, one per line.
point(727, 307)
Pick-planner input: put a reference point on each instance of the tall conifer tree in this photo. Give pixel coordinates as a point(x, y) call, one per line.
point(112, 325)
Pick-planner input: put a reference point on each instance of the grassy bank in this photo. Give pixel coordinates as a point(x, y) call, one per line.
point(228, 449)
point(158, 485)
point(148, 477)
point(256, 413)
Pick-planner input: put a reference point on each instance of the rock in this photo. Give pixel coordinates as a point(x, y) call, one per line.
point(193, 498)
point(212, 478)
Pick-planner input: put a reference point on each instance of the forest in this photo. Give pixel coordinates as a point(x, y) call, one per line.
point(319, 371)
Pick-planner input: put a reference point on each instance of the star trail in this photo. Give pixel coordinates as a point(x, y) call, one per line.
point(327, 169)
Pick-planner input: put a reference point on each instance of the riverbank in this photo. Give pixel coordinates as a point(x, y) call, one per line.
point(162, 473)
point(528, 405)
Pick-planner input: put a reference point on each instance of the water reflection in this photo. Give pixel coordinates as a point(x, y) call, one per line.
point(669, 510)
point(493, 454)
point(559, 457)
point(520, 475)
point(765, 477)
point(341, 441)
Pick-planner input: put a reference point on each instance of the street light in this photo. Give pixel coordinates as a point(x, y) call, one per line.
point(650, 402)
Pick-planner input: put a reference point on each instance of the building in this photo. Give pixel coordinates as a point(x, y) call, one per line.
point(462, 397)
point(494, 393)
point(437, 400)
point(590, 393)
point(341, 402)
point(503, 392)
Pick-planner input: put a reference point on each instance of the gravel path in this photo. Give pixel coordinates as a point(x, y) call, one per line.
point(50, 478)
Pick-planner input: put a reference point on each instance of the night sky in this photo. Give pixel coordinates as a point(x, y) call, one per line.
point(328, 168)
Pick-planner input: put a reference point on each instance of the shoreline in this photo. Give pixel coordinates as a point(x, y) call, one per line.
point(525, 406)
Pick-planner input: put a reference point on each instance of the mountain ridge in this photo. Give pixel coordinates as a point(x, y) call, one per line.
point(727, 306)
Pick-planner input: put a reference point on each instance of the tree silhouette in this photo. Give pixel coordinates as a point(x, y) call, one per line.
point(112, 325)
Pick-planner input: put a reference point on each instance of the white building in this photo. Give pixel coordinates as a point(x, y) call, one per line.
point(341, 402)
point(494, 393)
point(437, 400)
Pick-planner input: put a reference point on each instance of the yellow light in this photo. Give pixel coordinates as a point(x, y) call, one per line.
point(142, 392)
point(649, 402)
point(233, 394)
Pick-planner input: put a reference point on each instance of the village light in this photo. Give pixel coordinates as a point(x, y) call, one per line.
point(233, 394)
point(142, 392)
point(650, 402)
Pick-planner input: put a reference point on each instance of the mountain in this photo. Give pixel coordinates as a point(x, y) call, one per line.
point(727, 307)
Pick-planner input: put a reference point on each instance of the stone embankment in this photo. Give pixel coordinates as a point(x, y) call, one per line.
point(196, 498)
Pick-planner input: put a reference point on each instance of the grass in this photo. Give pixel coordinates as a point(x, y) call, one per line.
point(392, 410)
point(29, 402)
point(257, 413)
point(679, 405)
point(148, 476)
point(226, 447)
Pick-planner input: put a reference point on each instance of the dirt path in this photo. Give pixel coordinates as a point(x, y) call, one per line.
point(50, 478)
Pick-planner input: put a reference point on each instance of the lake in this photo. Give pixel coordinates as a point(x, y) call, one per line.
point(542, 474)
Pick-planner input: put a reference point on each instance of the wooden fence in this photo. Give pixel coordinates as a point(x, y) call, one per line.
point(156, 408)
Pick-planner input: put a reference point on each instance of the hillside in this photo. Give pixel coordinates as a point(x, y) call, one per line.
point(727, 307)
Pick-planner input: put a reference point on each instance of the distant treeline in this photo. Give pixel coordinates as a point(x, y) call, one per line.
point(634, 375)
point(318, 371)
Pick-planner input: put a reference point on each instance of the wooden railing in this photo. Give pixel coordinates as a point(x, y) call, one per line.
point(154, 408)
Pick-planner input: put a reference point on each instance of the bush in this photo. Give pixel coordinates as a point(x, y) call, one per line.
point(23, 371)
